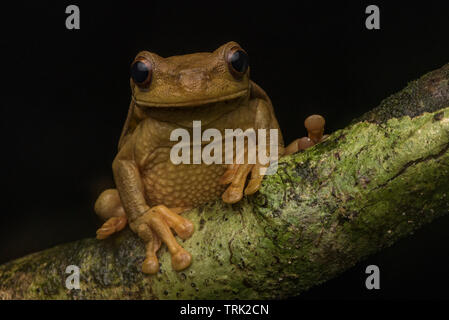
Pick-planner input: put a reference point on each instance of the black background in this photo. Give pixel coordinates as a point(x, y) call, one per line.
point(65, 96)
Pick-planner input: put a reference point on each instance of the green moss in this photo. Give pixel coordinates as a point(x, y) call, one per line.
point(427, 94)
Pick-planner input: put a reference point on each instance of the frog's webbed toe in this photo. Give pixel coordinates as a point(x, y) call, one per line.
point(154, 227)
point(315, 129)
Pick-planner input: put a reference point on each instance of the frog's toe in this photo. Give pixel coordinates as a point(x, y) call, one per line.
point(256, 179)
point(298, 145)
point(183, 227)
point(150, 265)
point(234, 192)
point(181, 260)
point(253, 185)
point(229, 174)
point(113, 225)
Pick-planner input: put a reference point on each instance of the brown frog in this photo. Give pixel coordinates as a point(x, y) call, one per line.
point(171, 93)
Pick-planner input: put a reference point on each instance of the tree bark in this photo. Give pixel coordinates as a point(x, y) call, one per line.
point(325, 209)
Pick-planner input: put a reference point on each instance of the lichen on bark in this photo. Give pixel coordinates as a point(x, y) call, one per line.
point(325, 209)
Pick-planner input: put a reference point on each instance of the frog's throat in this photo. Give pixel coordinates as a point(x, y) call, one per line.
point(191, 103)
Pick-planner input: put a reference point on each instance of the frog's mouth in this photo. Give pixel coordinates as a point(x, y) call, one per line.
point(205, 110)
point(190, 103)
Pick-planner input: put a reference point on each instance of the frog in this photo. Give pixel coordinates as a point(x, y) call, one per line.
point(151, 192)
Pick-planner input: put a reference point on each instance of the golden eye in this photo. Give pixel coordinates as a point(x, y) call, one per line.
point(238, 62)
point(141, 72)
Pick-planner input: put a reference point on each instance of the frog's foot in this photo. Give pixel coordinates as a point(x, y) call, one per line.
point(154, 226)
point(236, 175)
point(315, 129)
point(109, 208)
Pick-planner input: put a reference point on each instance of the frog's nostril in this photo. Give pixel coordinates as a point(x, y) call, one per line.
point(193, 80)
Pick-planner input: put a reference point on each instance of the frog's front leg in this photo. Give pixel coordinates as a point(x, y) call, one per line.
point(236, 174)
point(152, 224)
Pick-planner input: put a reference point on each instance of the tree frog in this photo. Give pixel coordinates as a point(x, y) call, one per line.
point(169, 93)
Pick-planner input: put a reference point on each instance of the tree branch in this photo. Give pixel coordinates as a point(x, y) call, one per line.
point(368, 185)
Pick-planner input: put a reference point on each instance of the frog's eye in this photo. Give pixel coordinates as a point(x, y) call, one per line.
point(237, 62)
point(141, 72)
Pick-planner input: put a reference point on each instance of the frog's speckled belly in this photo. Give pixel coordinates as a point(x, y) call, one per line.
point(183, 185)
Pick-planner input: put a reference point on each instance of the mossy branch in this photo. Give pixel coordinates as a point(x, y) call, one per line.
point(365, 187)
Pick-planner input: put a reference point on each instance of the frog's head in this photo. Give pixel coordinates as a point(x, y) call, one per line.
point(190, 80)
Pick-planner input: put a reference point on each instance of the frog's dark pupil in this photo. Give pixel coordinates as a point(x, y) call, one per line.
point(239, 61)
point(139, 71)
